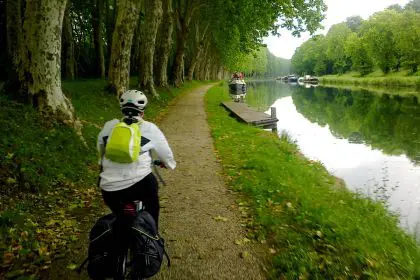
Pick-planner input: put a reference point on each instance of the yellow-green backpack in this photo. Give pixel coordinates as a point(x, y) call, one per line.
point(123, 144)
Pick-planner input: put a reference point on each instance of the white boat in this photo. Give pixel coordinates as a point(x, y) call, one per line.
point(237, 87)
point(310, 80)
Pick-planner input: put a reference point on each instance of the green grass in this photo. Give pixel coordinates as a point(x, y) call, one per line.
point(318, 229)
point(400, 91)
point(48, 177)
point(376, 79)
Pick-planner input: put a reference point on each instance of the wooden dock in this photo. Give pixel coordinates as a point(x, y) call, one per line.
point(250, 116)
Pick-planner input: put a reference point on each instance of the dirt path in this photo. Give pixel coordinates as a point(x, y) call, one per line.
point(201, 247)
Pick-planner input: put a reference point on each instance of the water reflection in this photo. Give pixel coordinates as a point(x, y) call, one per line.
point(262, 94)
point(371, 141)
point(389, 123)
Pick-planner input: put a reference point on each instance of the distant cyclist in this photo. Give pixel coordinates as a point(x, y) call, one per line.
point(127, 179)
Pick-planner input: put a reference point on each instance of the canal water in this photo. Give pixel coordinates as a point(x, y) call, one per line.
point(372, 141)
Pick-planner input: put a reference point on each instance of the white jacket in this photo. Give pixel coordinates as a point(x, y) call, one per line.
point(117, 176)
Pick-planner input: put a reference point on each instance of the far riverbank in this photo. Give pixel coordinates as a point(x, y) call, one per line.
point(409, 84)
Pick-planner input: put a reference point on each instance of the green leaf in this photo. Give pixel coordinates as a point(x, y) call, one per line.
point(72, 266)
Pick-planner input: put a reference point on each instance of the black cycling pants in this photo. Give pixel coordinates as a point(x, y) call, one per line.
point(145, 190)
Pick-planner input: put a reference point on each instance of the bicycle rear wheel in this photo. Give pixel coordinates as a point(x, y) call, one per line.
point(121, 248)
point(121, 270)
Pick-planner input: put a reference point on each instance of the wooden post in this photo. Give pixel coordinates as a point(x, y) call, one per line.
point(274, 116)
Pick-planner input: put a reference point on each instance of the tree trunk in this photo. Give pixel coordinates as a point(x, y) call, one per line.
point(178, 73)
point(215, 69)
point(110, 23)
point(207, 69)
point(204, 62)
point(122, 38)
point(193, 64)
point(152, 20)
point(39, 57)
point(183, 16)
point(200, 47)
point(197, 68)
point(203, 70)
point(98, 21)
point(14, 37)
point(225, 74)
point(135, 48)
point(220, 73)
point(207, 63)
point(200, 70)
point(68, 47)
point(163, 49)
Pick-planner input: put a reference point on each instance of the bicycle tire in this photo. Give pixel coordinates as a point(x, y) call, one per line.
point(121, 271)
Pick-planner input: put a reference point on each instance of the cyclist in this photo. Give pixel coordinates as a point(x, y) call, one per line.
point(125, 182)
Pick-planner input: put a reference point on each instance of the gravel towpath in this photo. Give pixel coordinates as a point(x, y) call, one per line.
point(199, 219)
point(198, 216)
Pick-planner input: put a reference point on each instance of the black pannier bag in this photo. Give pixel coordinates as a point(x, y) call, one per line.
point(102, 260)
point(146, 246)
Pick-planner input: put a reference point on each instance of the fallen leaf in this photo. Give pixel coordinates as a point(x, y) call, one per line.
point(15, 273)
point(220, 218)
point(42, 251)
point(242, 241)
point(72, 266)
point(51, 222)
point(10, 180)
point(8, 257)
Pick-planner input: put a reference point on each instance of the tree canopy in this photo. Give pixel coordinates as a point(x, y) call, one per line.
point(161, 41)
point(388, 40)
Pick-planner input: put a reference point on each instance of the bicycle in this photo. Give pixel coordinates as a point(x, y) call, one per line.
point(122, 228)
point(134, 243)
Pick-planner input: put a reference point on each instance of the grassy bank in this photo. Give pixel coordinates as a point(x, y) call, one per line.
point(376, 80)
point(316, 229)
point(48, 178)
point(400, 91)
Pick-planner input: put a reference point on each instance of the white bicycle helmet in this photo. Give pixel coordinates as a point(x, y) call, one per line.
point(132, 102)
